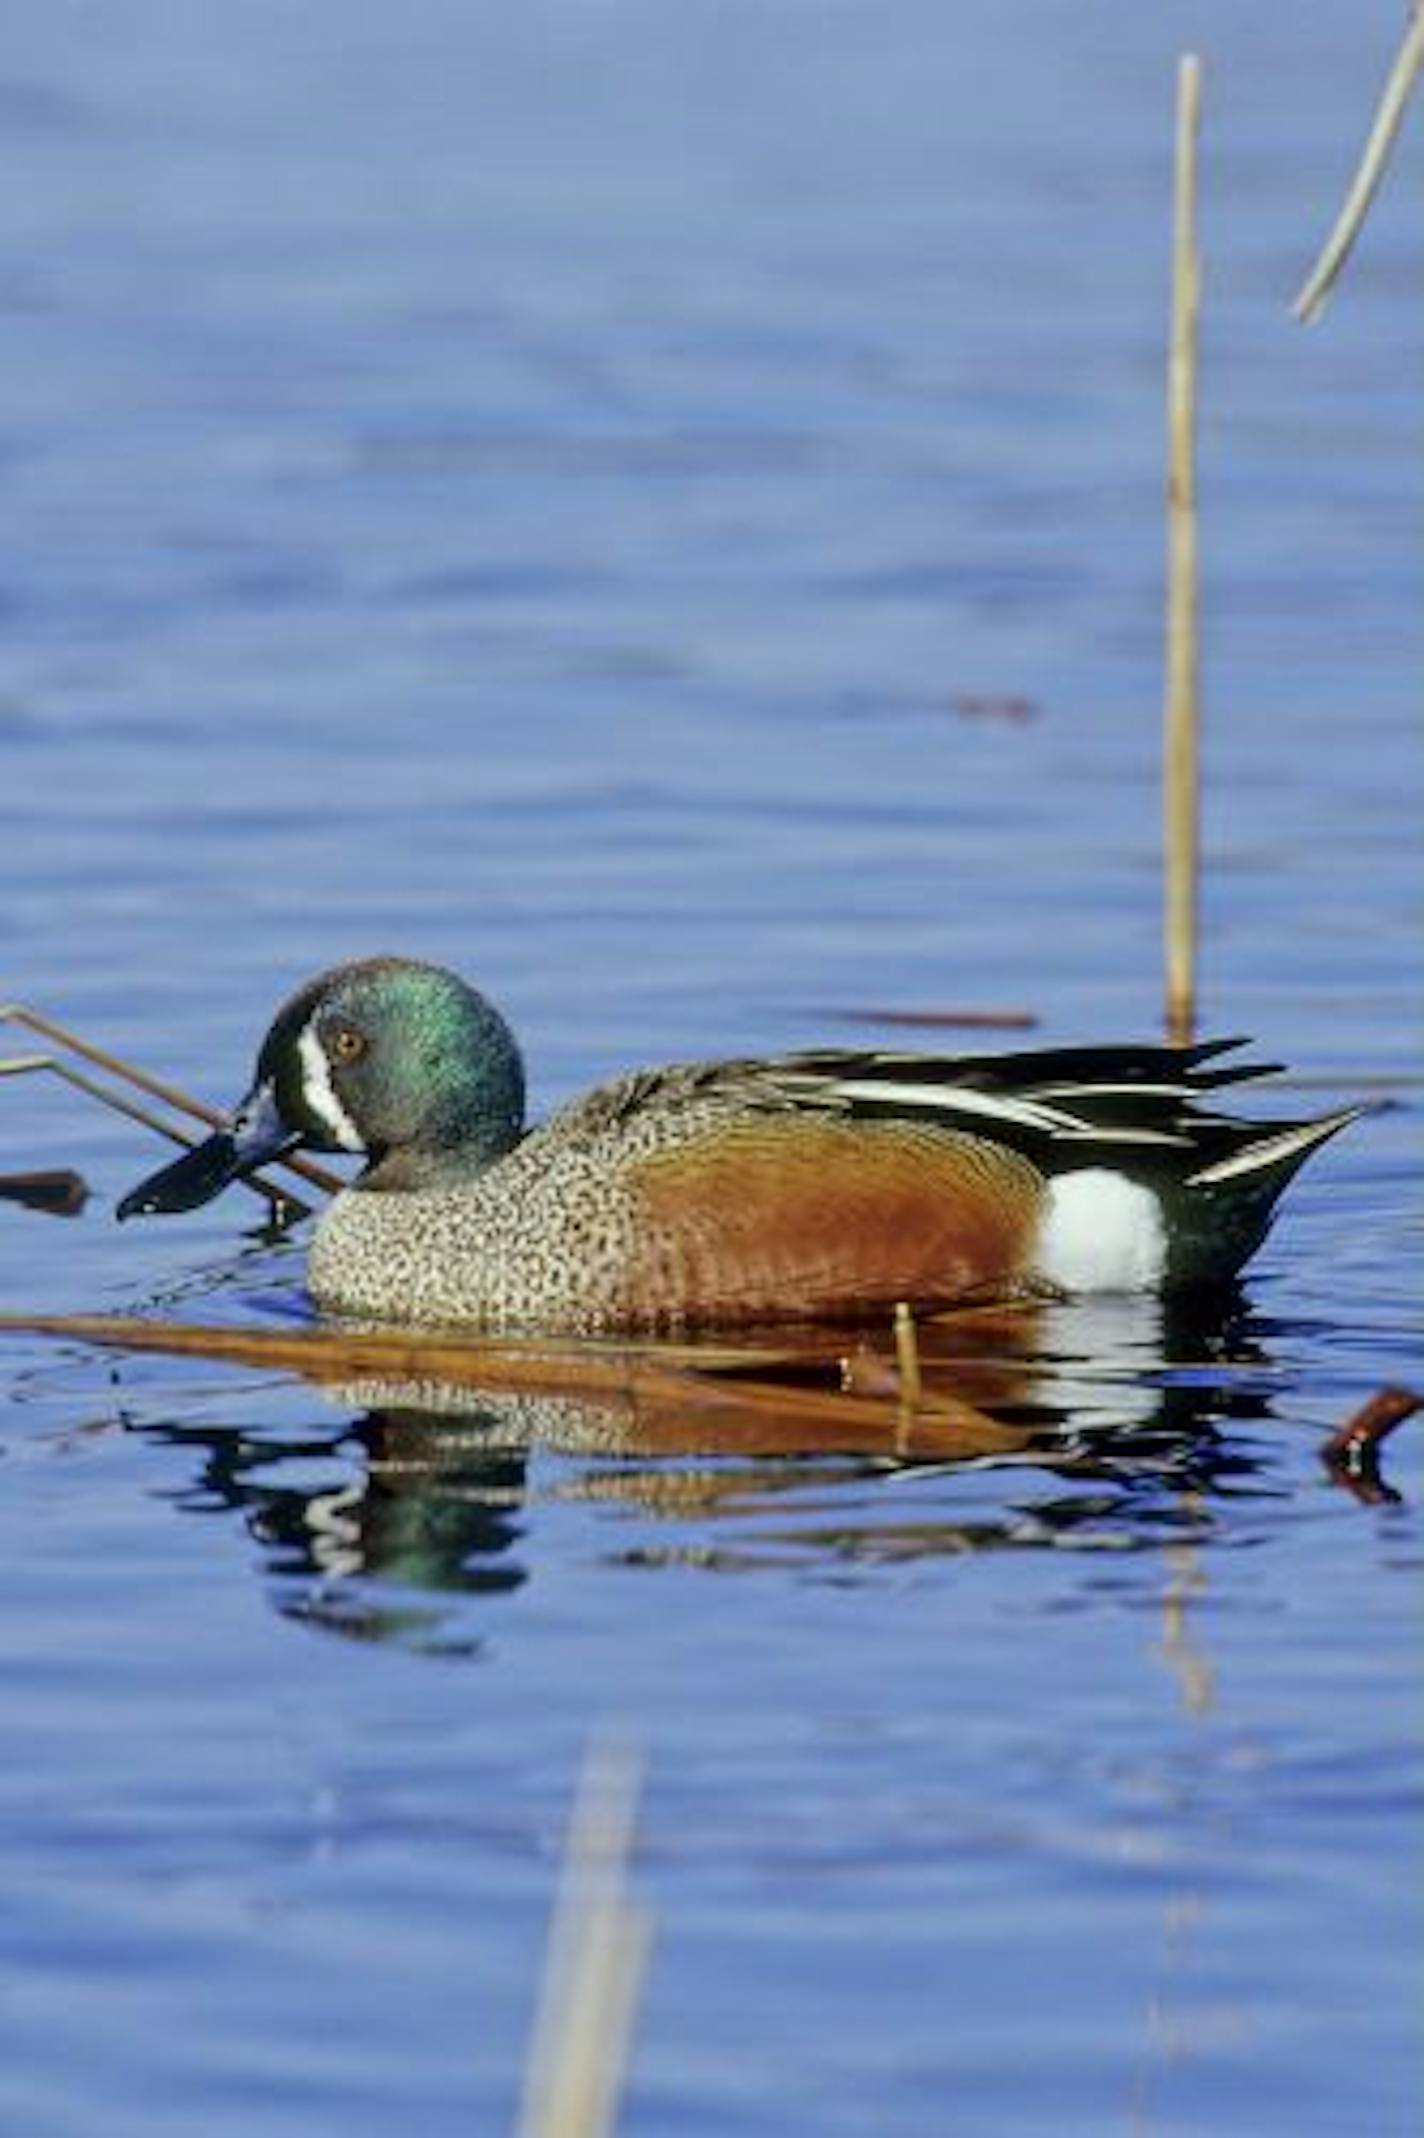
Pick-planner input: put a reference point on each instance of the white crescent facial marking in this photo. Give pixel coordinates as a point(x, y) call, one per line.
point(1101, 1232)
point(320, 1094)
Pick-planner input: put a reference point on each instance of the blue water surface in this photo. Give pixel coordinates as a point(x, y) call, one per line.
point(661, 509)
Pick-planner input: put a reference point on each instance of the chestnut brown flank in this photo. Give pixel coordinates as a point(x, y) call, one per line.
point(797, 1215)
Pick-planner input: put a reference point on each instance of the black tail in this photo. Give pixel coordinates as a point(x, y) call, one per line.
point(1226, 1208)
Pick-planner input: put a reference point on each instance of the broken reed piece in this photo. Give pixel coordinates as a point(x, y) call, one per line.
point(1349, 222)
point(58, 1191)
point(863, 1372)
point(156, 1087)
point(1007, 706)
point(1352, 1455)
point(907, 1356)
point(1181, 716)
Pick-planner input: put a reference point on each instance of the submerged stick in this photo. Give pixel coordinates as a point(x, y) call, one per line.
point(1349, 222)
point(1352, 1455)
point(1181, 717)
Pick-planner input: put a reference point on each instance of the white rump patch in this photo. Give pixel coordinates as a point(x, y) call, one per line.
point(320, 1093)
point(1101, 1232)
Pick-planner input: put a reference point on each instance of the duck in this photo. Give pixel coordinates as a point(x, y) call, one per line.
point(826, 1185)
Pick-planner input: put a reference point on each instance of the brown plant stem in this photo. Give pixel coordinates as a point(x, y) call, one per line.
point(1352, 1455)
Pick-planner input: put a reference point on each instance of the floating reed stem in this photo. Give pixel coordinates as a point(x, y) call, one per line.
point(1390, 110)
point(1181, 721)
point(969, 1020)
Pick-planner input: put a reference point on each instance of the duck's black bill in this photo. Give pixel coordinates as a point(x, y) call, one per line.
point(258, 1133)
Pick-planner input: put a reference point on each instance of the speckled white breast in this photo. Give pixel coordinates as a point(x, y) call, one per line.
point(525, 1246)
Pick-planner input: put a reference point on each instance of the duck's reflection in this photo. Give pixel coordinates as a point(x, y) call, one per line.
point(1115, 1422)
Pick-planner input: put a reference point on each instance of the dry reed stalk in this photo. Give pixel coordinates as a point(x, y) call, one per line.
point(597, 1954)
point(708, 1389)
point(1338, 246)
point(142, 1080)
point(661, 1395)
point(536, 1365)
point(34, 1064)
point(1181, 722)
point(282, 1203)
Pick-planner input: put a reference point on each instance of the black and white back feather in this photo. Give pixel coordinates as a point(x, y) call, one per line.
point(1137, 1108)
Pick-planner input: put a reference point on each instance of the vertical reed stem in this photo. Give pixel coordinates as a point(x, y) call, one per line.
point(598, 1948)
point(1180, 805)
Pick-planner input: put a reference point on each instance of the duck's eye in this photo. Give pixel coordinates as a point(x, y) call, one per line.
point(346, 1044)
